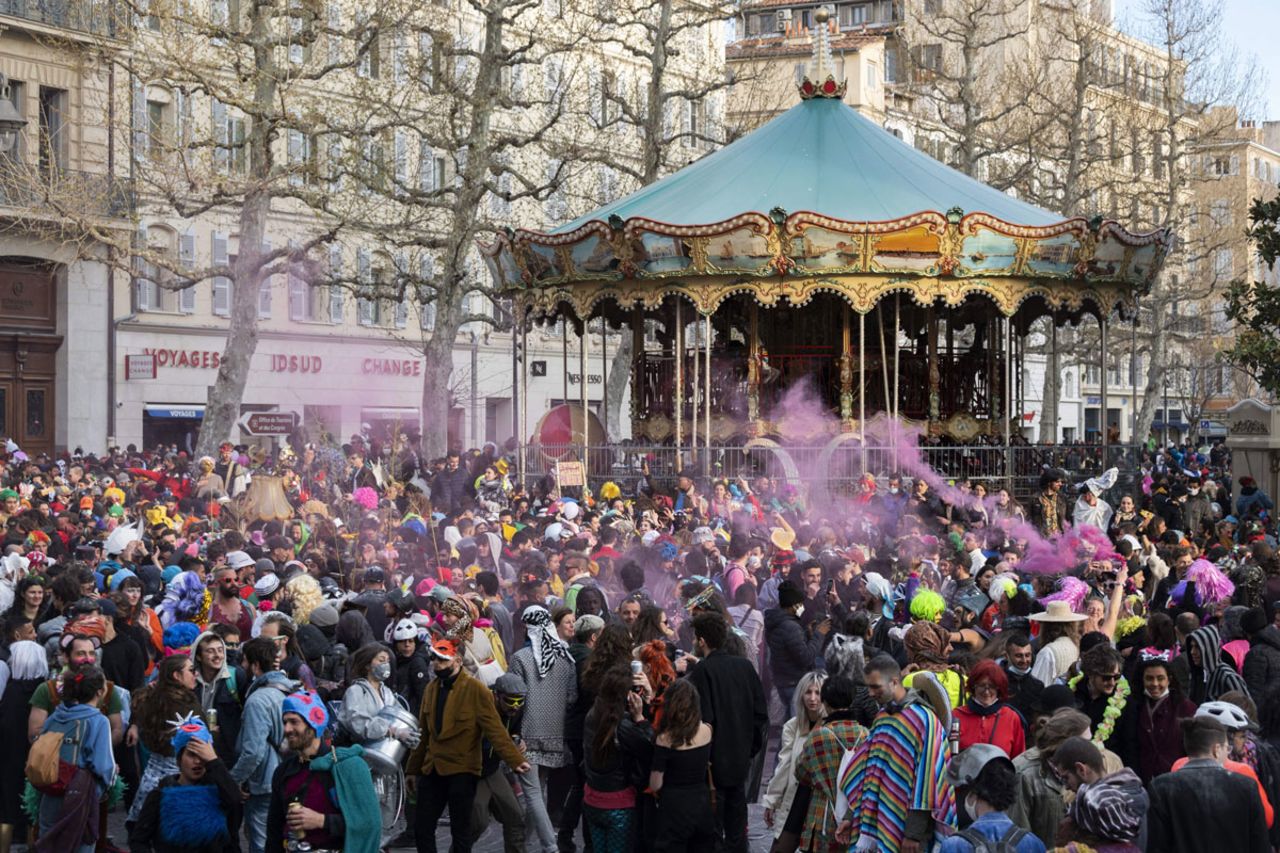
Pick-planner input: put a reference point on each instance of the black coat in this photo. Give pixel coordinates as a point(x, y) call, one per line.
point(1204, 807)
point(123, 662)
point(450, 489)
point(791, 652)
point(1262, 663)
point(411, 676)
point(228, 702)
point(733, 704)
point(145, 835)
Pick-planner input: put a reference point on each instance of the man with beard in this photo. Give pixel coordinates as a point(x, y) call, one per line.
point(228, 608)
point(1048, 510)
point(457, 711)
point(898, 787)
point(321, 796)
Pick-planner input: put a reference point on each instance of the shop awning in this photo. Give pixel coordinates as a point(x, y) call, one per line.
point(167, 410)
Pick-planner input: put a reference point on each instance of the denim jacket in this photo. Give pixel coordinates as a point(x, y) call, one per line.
point(262, 731)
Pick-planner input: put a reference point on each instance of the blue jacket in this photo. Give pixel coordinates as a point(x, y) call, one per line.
point(262, 731)
point(992, 826)
point(95, 740)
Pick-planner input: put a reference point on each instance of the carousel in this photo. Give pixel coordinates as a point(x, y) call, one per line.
point(822, 250)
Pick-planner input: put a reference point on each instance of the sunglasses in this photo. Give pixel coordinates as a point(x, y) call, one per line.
point(1114, 676)
point(513, 701)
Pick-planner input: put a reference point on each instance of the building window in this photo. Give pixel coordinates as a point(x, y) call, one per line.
point(1220, 213)
point(53, 130)
point(1222, 264)
point(929, 60)
point(152, 276)
point(17, 96)
point(873, 75)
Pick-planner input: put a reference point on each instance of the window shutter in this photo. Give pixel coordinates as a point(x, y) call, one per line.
point(517, 81)
point(222, 150)
point(365, 307)
point(335, 162)
point(402, 162)
point(264, 292)
point(334, 13)
point(427, 272)
point(399, 58)
point(187, 257)
point(426, 167)
point(402, 276)
point(594, 96)
point(426, 55)
point(295, 145)
point(221, 284)
point(335, 287)
point(140, 135)
point(297, 292)
point(141, 286)
point(179, 118)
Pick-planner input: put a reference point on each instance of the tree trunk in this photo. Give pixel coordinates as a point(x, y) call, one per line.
point(1155, 384)
point(619, 374)
point(436, 394)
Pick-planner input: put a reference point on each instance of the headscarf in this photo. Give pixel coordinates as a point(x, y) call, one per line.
point(547, 646)
point(1105, 810)
point(461, 631)
point(926, 643)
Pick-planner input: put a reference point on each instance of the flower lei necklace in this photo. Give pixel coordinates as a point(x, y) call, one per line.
point(1115, 707)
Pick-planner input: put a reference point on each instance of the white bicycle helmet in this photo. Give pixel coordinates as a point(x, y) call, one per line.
point(1231, 716)
point(405, 629)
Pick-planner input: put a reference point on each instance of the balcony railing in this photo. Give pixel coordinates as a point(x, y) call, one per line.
point(46, 190)
point(98, 17)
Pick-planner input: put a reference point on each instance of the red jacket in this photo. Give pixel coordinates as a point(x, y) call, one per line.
point(1003, 729)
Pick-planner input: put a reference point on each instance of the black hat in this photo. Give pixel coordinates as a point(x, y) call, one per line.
point(1052, 475)
point(789, 595)
point(1253, 621)
point(374, 574)
point(402, 600)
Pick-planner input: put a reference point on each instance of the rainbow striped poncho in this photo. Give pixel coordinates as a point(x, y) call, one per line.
point(902, 768)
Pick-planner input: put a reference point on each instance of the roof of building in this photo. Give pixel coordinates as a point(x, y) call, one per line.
point(765, 46)
point(821, 156)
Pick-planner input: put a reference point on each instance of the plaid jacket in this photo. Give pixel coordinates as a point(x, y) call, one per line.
point(819, 768)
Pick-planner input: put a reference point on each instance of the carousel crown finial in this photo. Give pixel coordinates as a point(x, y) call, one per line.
point(822, 69)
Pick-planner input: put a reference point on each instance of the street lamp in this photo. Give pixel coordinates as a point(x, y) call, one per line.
point(11, 121)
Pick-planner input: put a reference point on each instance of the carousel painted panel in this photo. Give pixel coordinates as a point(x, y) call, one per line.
point(664, 254)
point(594, 256)
point(912, 250)
point(1053, 257)
point(819, 249)
point(740, 250)
point(987, 252)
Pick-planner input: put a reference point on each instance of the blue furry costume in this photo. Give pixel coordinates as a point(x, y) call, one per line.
point(203, 818)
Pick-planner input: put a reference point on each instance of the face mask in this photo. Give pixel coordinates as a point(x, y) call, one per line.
point(971, 806)
point(1193, 492)
point(799, 611)
point(1160, 696)
point(893, 490)
point(753, 562)
point(1018, 671)
point(381, 671)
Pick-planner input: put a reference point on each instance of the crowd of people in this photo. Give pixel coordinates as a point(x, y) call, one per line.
point(251, 652)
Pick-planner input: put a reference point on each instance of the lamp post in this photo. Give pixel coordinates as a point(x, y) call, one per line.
point(11, 121)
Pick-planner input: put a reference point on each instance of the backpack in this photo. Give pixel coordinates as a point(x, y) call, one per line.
point(46, 769)
point(1008, 842)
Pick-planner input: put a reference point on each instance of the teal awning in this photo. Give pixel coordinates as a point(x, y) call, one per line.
point(820, 156)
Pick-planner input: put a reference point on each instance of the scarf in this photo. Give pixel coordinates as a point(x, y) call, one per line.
point(542, 638)
point(356, 797)
point(461, 630)
point(926, 643)
point(981, 710)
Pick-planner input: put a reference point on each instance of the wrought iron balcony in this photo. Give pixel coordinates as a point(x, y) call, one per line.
point(97, 17)
point(42, 192)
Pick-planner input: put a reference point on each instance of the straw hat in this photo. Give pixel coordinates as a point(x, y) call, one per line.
point(1057, 611)
point(782, 539)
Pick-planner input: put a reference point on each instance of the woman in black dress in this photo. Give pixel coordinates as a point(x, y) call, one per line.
point(679, 774)
point(27, 669)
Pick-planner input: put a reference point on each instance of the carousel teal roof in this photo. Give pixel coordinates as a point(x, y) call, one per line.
point(821, 156)
point(823, 199)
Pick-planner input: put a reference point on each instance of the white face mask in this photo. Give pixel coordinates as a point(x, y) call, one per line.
point(799, 611)
point(1159, 697)
point(971, 806)
point(893, 490)
point(1019, 671)
point(1193, 492)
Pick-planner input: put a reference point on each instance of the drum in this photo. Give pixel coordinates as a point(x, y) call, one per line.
point(387, 755)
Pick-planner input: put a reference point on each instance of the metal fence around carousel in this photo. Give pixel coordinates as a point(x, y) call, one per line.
point(839, 465)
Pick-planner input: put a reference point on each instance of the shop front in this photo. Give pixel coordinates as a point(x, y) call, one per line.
point(334, 387)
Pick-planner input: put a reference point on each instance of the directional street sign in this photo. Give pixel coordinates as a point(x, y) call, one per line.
point(268, 423)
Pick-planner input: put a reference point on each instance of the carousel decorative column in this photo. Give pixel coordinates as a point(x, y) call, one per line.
point(862, 386)
point(935, 375)
point(679, 395)
point(1106, 362)
point(582, 386)
point(753, 366)
point(638, 378)
point(846, 369)
point(706, 431)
